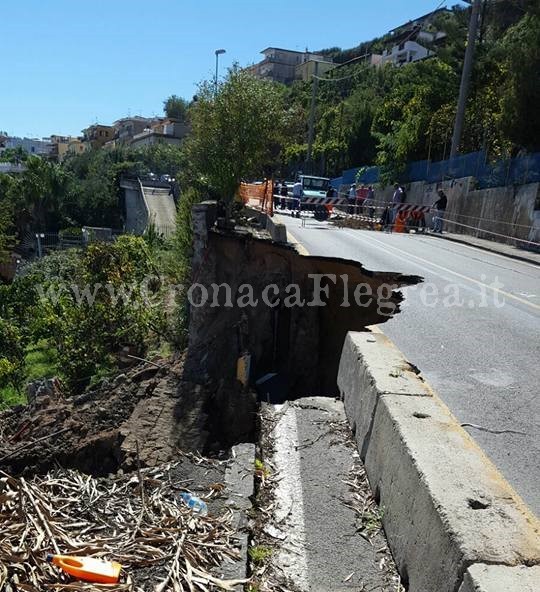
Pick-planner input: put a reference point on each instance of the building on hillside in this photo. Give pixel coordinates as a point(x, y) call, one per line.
point(167, 131)
point(128, 127)
point(77, 146)
point(281, 65)
point(307, 69)
point(404, 53)
point(59, 147)
point(97, 135)
point(409, 41)
point(39, 147)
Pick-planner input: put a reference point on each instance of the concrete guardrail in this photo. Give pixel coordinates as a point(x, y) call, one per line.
point(452, 521)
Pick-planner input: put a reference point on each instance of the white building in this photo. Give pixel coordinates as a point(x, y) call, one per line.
point(403, 53)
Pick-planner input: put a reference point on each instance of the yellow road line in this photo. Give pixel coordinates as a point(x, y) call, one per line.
point(298, 245)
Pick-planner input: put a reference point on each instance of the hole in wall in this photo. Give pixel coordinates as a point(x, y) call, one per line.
point(475, 504)
point(419, 415)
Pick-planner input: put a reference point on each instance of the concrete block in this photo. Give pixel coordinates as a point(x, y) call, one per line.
point(445, 505)
point(277, 231)
point(240, 486)
point(500, 578)
point(371, 366)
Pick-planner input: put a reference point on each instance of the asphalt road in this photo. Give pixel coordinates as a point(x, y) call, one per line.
point(472, 328)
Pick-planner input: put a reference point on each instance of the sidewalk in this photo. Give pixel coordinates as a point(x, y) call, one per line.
point(492, 246)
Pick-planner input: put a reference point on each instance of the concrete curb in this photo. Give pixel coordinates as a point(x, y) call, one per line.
point(488, 578)
point(277, 231)
point(240, 484)
point(445, 505)
point(488, 249)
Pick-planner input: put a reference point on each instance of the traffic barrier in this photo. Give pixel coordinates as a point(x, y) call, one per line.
point(258, 195)
point(446, 507)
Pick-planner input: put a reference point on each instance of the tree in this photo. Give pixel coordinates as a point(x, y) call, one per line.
point(521, 117)
point(11, 356)
point(176, 107)
point(237, 133)
point(401, 124)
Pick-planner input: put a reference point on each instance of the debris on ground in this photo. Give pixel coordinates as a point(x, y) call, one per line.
point(314, 497)
point(134, 419)
point(138, 520)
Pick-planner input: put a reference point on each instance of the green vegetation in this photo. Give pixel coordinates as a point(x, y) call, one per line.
point(237, 133)
point(390, 116)
point(176, 107)
point(259, 554)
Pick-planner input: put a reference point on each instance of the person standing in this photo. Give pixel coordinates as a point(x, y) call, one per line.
point(370, 203)
point(284, 193)
point(397, 199)
point(440, 207)
point(297, 193)
point(277, 190)
point(351, 198)
point(361, 197)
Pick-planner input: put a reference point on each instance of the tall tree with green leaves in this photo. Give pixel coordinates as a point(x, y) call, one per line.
point(237, 133)
point(176, 107)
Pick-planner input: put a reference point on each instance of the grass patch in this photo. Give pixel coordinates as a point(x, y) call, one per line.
point(9, 397)
point(259, 554)
point(41, 361)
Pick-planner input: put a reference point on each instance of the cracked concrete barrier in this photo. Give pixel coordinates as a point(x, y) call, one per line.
point(445, 505)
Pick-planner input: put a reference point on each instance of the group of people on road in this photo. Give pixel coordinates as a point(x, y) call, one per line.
point(358, 197)
point(394, 217)
point(361, 197)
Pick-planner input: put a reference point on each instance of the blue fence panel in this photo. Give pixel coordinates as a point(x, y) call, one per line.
point(349, 176)
point(370, 176)
point(418, 171)
point(518, 171)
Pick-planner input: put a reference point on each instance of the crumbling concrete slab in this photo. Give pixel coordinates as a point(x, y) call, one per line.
point(370, 366)
point(240, 487)
point(500, 578)
point(445, 504)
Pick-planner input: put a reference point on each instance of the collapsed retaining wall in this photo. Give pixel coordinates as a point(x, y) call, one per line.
point(301, 344)
point(452, 521)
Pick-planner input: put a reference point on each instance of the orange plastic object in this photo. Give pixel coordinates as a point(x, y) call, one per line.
point(88, 569)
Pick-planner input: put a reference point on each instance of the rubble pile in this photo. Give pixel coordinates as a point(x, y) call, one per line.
point(137, 520)
point(122, 423)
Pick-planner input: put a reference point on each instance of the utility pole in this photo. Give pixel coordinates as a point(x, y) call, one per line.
point(311, 122)
point(465, 77)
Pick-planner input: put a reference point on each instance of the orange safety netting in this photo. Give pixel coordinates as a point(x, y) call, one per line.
point(258, 195)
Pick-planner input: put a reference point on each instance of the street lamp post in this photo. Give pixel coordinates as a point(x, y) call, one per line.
point(218, 52)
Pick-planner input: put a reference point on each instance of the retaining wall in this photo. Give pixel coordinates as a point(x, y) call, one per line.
point(511, 211)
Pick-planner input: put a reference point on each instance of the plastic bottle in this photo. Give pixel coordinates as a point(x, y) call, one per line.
point(89, 569)
point(195, 504)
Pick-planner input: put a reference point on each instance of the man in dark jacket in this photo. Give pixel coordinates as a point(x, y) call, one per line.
point(440, 207)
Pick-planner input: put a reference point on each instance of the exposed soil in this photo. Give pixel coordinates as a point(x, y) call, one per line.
point(119, 424)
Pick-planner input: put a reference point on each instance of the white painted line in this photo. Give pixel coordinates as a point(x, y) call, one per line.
point(445, 269)
point(289, 495)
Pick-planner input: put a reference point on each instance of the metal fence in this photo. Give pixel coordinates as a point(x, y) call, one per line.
point(40, 244)
point(511, 171)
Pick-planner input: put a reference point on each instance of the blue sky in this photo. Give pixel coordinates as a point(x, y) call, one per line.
point(69, 63)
